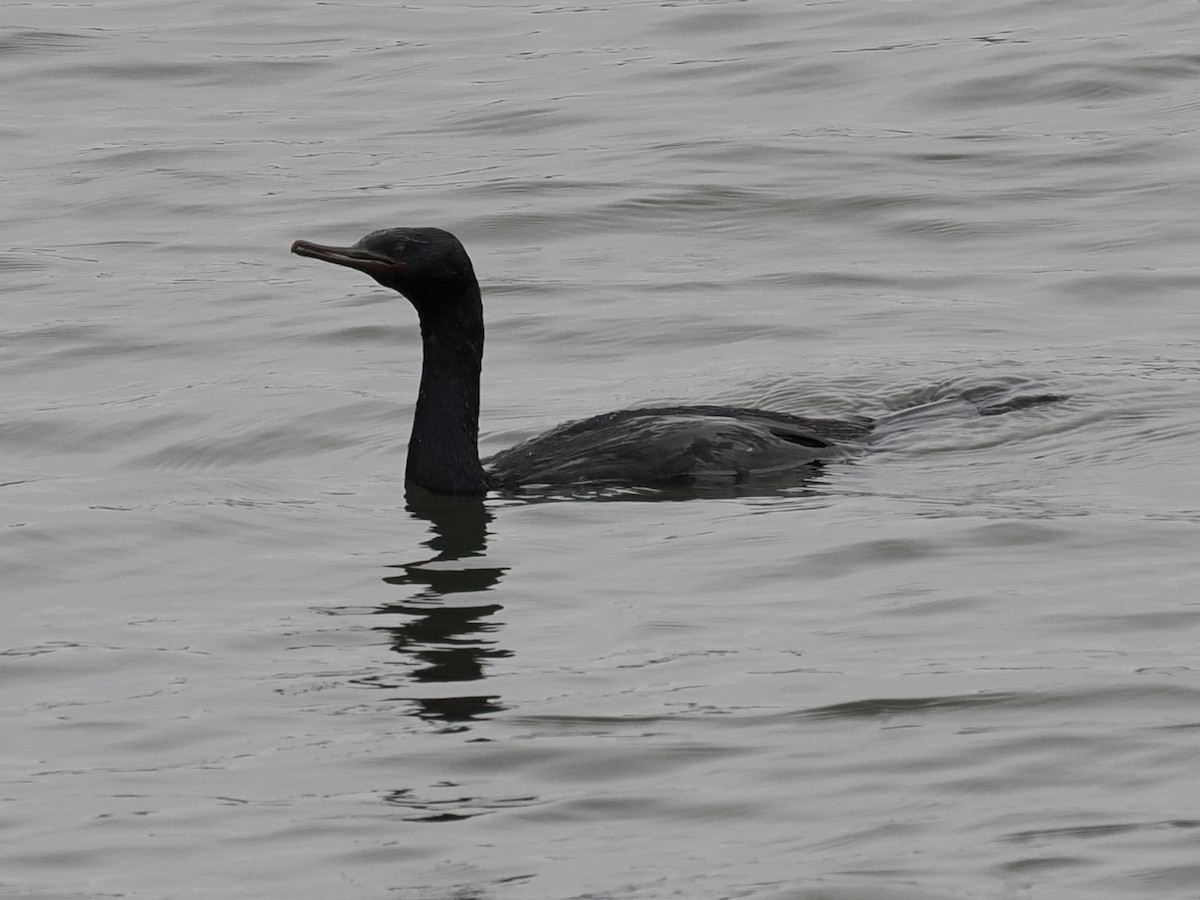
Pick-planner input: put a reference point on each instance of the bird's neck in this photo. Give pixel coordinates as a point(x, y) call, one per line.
point(443, 452)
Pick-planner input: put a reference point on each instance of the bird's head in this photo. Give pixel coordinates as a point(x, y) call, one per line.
point(427, 265)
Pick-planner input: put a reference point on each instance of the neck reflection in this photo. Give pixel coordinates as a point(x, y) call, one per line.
point(446, 635)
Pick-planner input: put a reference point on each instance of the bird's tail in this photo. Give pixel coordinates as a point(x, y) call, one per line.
point(969, 399)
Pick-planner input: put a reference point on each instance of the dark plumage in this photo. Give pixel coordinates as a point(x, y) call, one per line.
point(668, 446)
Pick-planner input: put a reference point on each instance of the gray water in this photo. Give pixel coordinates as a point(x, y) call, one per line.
point(236, 662)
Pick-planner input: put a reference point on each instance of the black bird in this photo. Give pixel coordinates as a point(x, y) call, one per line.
point(651, 447)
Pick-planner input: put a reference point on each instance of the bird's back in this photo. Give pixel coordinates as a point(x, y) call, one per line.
point(678, 446)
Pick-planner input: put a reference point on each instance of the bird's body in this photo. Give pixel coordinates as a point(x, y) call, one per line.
point(652, 447)
point(680, 445)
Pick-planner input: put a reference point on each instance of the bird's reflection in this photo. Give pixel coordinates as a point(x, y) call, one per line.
point(447, 633)
point(440, 626)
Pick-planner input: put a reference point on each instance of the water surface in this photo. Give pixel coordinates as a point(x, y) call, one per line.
point(238, 662)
